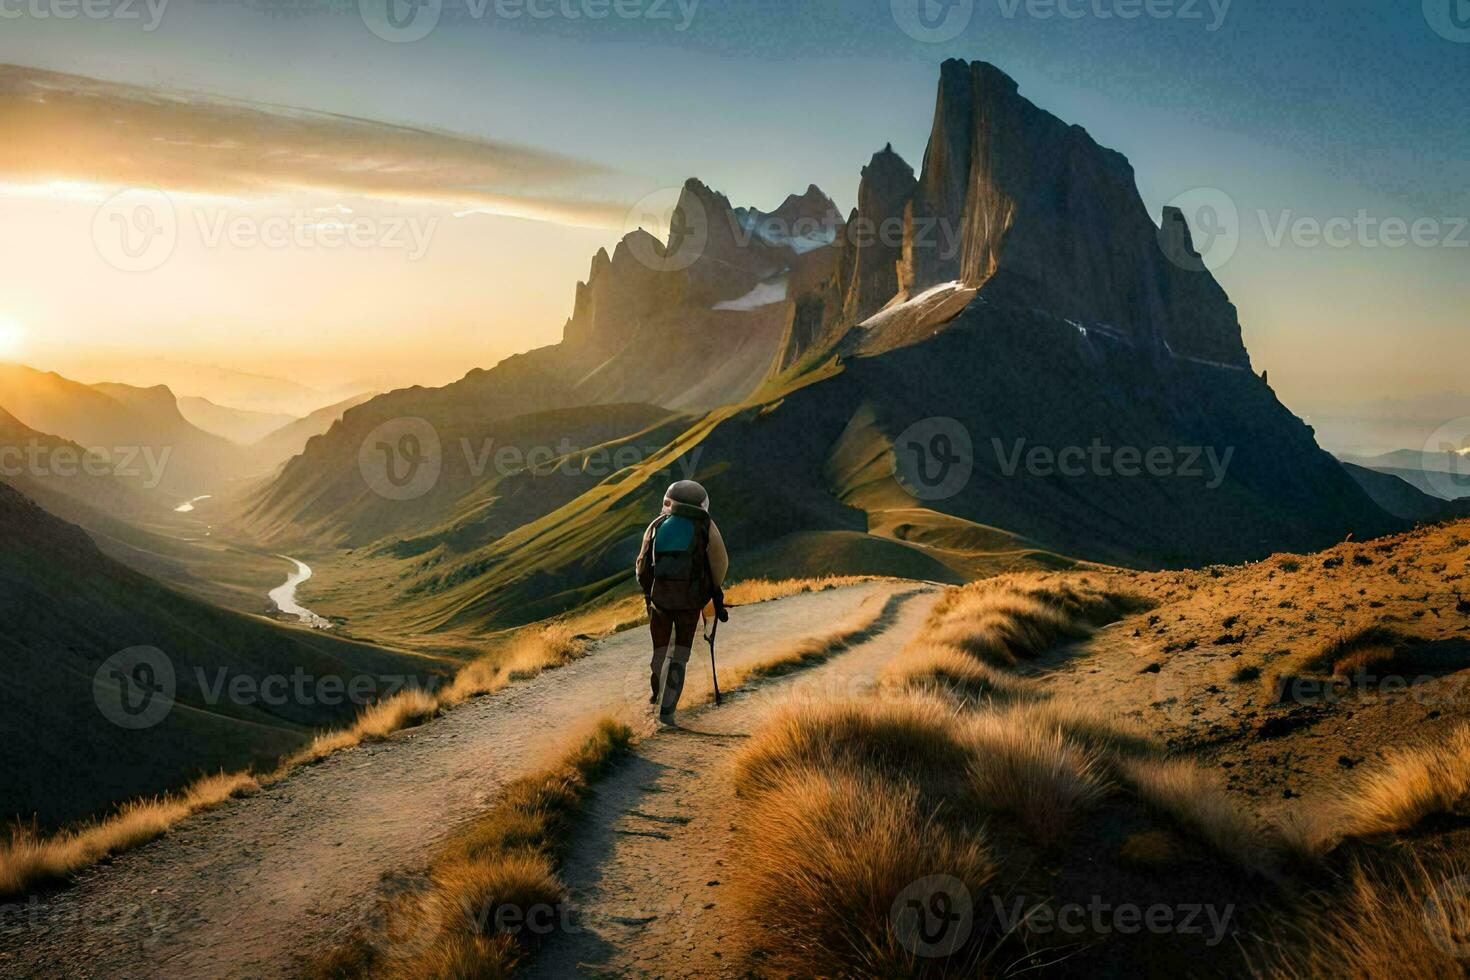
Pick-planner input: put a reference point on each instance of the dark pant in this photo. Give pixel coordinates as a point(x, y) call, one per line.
point(673, 643)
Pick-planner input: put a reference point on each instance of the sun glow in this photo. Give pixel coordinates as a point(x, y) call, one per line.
point(12, 338)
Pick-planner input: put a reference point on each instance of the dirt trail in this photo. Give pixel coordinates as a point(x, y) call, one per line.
point(246, 890)
point(649, 876)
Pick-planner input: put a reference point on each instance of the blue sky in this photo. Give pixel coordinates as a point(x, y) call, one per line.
point(1293, 108)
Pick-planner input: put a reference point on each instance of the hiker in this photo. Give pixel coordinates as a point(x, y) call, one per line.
point(681, 569)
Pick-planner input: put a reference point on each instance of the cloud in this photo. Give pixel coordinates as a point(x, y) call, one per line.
point(67, 128)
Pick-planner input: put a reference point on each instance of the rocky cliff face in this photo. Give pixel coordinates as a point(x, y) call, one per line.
point(622, 292)
point(875, 236)
point(1046, 218)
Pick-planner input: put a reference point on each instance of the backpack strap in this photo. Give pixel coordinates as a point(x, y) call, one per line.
point(653, 537)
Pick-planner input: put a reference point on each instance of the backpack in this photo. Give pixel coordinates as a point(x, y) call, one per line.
point(680, 560)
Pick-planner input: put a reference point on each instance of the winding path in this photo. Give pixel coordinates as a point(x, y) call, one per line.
point(248, 889)
point(649, 874)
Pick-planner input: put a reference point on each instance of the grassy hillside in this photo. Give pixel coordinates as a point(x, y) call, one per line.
point(805, 478)
point(68, 609)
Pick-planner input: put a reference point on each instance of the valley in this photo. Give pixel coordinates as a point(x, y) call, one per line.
point(1038, 586)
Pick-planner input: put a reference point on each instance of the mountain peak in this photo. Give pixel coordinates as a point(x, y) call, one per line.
point(1043, 215)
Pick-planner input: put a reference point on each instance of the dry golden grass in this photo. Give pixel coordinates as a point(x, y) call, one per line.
point(829, 789)
point(27, 859)
point(1003, 622)
point(1407, 924)
point(843, 804)
point(946, 670)
point(1357, 651)
point(809, 651)
point(752, 591)
point(1111, 738)
point(824, 856)
point(1026, 768)
point(919, 740)
point(375, 722)
point(1198, 806)
point(495, 875)
point(1409, 786)
point(528, 653)
point(1007, 620)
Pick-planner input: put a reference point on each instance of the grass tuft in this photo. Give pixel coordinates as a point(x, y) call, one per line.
point(28, 859)
point(1411, 785)
point(492, 892)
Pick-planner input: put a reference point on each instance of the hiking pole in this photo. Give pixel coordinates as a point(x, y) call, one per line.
point(714, 673)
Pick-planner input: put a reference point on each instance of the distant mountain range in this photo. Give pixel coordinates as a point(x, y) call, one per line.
point(997, 361)
point(171, 448)
point(1013, 295)
point(225, 387)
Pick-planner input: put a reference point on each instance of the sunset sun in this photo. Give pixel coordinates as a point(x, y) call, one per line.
point(12, 338)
